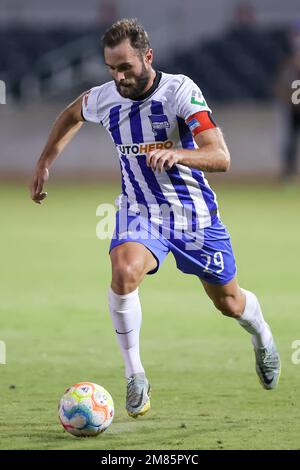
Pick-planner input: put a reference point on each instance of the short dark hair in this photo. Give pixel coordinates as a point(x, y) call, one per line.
point(127, 28)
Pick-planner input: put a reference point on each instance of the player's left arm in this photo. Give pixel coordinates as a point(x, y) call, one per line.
point(212, 154)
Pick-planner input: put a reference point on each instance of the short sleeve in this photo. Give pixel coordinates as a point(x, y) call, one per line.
point(189, 99)
point(90, 105)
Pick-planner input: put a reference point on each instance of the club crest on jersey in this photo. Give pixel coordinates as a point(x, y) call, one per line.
point(159, 122)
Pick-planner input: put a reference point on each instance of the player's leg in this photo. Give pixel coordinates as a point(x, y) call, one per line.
point(130, 263)
point(212, 260)
point(243, 305)
point(135, 250)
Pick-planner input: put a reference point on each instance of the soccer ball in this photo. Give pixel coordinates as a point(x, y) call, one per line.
point(86, 409)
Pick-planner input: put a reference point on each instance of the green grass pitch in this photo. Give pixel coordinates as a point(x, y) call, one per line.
point(57, 330)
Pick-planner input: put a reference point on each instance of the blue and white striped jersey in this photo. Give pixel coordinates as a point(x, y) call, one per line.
point(158, 120)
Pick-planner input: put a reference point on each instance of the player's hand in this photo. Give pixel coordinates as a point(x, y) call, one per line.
point(162, 159)
point(36, 187)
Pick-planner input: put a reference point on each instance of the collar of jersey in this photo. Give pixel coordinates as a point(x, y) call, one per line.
point(153, 87)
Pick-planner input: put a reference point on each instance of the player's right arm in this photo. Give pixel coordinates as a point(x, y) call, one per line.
point(63, 130)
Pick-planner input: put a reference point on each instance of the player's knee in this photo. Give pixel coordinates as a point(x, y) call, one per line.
point(127, 273)
point(228, 306)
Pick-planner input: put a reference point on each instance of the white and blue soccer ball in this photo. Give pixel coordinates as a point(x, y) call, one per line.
point(86, 409)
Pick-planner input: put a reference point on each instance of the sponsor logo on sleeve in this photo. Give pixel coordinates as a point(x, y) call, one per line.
point(197, 98)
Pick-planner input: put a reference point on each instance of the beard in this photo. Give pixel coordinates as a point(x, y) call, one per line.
point(133, 90)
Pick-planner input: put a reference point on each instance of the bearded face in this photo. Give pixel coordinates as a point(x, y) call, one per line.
point(130, 69)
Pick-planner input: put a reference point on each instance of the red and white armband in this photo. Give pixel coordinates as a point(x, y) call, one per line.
point(200, 122)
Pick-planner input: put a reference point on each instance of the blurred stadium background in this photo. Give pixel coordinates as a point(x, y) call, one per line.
point(50, 53)
point(55, 272)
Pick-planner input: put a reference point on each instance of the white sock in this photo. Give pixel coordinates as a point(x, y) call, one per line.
point(126, 315)
point(252, 320)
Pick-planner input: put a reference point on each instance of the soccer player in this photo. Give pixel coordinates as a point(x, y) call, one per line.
point(166, 138)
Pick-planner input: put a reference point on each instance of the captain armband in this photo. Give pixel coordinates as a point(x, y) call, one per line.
point(200, 122)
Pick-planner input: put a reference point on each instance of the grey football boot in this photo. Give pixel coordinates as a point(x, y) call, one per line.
point(268, 366)
point(138, 395)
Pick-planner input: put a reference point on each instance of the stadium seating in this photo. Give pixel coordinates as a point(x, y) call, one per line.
point(239, 64)
point(22, 49)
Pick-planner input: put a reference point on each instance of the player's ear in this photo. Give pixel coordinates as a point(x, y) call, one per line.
point(149, 56)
